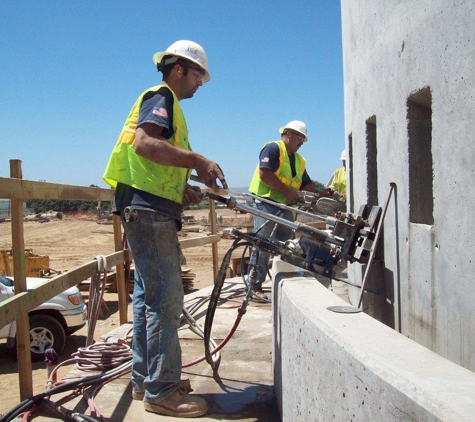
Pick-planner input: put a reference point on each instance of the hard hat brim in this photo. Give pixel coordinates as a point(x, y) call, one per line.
point(158, 57)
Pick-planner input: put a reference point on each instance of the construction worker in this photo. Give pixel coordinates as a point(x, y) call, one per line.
point(149, 168)
point(278, 177)
point(338, 180)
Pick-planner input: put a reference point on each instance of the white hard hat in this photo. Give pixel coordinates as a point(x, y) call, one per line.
point(189, 50)
point(297, 126)
point(343, 155)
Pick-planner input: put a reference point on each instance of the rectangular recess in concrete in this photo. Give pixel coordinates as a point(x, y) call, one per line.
point(419, 128)
point(371, 162)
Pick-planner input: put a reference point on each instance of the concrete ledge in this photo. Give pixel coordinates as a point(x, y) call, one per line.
point(350, 367)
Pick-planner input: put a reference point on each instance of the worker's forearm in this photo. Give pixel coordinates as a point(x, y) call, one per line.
point(151, 145)
point(309, 187)
point(162, 152)
point(271, 180)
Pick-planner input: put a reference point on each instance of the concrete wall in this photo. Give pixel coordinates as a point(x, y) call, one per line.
point(423, 51)
point(332, 366)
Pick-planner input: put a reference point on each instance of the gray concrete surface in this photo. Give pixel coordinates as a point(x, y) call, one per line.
point(350, 367)
point(409, 101)
point(242, 388)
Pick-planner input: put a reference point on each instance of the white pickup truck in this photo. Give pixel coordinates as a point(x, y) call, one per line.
point(50, 322)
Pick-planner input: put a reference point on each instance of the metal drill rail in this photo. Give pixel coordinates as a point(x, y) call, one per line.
point(375, 243)
point(318, 235)
point(278, 205)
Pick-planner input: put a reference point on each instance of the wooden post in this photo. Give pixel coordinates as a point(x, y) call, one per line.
point(19, 274)
point(213, 228)
point(122, 292)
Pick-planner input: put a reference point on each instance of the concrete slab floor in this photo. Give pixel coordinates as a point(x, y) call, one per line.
point(240, 390)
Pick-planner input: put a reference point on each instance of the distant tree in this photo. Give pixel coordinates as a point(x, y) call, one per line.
point(202, 205)
point(44, 205)
point(318, 186)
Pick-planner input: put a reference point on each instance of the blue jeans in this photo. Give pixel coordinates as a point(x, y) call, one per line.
point(281, 233)
point(157, 304)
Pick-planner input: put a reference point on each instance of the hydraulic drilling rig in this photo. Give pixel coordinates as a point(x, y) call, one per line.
point(347, 237)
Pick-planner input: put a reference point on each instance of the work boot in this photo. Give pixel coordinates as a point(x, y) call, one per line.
point(259, 294)
point(184, 384)
point(179, 404)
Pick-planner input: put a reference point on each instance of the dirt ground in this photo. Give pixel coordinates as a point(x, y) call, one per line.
point(74, 240)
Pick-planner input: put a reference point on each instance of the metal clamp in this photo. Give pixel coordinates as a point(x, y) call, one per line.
point(130, 214)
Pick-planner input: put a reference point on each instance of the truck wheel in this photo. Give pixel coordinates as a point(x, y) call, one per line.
point(46, 333)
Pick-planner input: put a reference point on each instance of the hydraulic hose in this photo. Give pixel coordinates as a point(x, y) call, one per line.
point(76, 384)
point(96, 295)
point(195, 327)
point(74, 416)
point(218, 285)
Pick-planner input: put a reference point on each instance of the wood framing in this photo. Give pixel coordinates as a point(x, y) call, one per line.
point(17, 307)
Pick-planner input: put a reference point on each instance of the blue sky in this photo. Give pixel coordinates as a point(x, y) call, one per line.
point(70, 72)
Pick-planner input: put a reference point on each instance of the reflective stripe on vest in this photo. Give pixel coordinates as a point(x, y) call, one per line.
point(283, 173)
point(125, 166)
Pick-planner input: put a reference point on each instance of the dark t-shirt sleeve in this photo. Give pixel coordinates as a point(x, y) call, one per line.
point(157, 108)
point(269, 157)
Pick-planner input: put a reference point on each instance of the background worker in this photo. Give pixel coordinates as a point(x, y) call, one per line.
point(278, 177)
point(338, 180)
point(149, 168)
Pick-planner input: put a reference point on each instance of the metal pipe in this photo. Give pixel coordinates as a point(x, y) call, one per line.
point(317, 234)
point(279, 220)
point(278, 205)
point(375, 243)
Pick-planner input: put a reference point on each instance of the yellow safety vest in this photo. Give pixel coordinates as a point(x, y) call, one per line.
point(338, 181)
point(283, 173)
point(125, 166)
